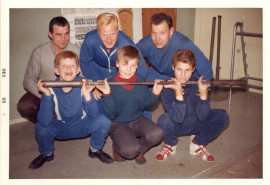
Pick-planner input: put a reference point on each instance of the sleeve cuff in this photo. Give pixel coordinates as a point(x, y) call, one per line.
point(107, 94)
point(156, 94)
point(177, 102)
point(90, 101)
point(47, 98)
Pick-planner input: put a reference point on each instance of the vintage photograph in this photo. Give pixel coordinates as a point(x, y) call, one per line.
point(134, 93)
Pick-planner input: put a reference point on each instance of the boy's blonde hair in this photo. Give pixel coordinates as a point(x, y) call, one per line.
point(185, 56)
point(64, 55)
point(106, 19)
point(127, 53)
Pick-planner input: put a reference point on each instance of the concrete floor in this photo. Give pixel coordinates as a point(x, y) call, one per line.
point(237, 151)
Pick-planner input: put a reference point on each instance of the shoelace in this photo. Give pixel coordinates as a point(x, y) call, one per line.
point(165, 150)
point(203, 151)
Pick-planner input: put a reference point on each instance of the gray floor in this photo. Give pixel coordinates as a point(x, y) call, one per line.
point(237, 151)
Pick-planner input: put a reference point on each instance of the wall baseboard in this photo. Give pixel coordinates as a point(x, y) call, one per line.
point(16, 121)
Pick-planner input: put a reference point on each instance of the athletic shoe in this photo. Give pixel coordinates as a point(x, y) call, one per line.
point(165, 151)
point(200, 150)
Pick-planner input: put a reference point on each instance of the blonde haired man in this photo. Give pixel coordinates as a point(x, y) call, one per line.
point(106, 19)
point(99, 50)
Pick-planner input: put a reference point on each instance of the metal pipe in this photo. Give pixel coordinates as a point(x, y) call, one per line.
point(249, 34)
point(255, 86)
point(254, 78)
point(218, 47)
point(78, 83)
point(244, 55)
point(232, 60)
point(212, 40)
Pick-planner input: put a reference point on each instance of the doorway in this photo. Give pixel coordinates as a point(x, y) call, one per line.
point(148, 12)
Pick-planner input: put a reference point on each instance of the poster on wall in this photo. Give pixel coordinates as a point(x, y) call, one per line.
point(83, 20)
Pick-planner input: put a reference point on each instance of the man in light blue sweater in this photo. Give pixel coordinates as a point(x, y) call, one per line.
point(40, 65)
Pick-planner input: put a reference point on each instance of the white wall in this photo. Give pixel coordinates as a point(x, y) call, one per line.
point(28, 29)
point(186, 21)
point(252, 19)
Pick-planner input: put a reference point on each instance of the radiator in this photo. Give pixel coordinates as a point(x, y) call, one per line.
point(254, 61)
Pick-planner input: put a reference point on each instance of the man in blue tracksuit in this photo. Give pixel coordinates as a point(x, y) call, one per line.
point(69, 112)
point(160, 46)
point(99, 50)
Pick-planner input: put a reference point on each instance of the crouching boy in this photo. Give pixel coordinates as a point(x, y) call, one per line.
point(186, 113)
point(132, 134)
point(69, 112)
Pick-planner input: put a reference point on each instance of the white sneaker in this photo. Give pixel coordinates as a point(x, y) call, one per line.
point(200, 150)
point(165, 151)
point(192, 137)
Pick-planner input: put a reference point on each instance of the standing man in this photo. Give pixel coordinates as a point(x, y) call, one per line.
point(41, 66)
point(99, 50)
point(160, 46)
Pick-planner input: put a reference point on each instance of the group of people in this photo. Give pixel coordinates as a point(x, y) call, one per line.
point(109, 55)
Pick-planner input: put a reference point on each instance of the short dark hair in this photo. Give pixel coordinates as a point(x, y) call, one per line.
point(127, 53)
point(59, 21)
point(158, 18)
point(185, 56)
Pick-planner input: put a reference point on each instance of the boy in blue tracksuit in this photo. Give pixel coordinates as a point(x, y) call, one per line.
point(186, 113)
point(69, 112)
point(132, 133)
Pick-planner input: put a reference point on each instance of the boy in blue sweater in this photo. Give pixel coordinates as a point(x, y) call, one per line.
point(69, 112)
point(186, 113)
point(132, 134)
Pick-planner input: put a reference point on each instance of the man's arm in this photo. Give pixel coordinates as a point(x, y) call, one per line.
point(86, 60)
point(143, 45)
point(142, 71)
point(125, 40)
point(31, 76)
point(203, 66)
point(142, 50)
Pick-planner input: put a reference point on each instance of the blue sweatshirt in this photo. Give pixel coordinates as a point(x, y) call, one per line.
point(161, 59)
point(97, 64)
point(124, 106)
point(71, 106)
point(189, 110)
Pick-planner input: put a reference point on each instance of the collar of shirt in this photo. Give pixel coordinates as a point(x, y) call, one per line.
point(53, 50)
point(117, 78)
